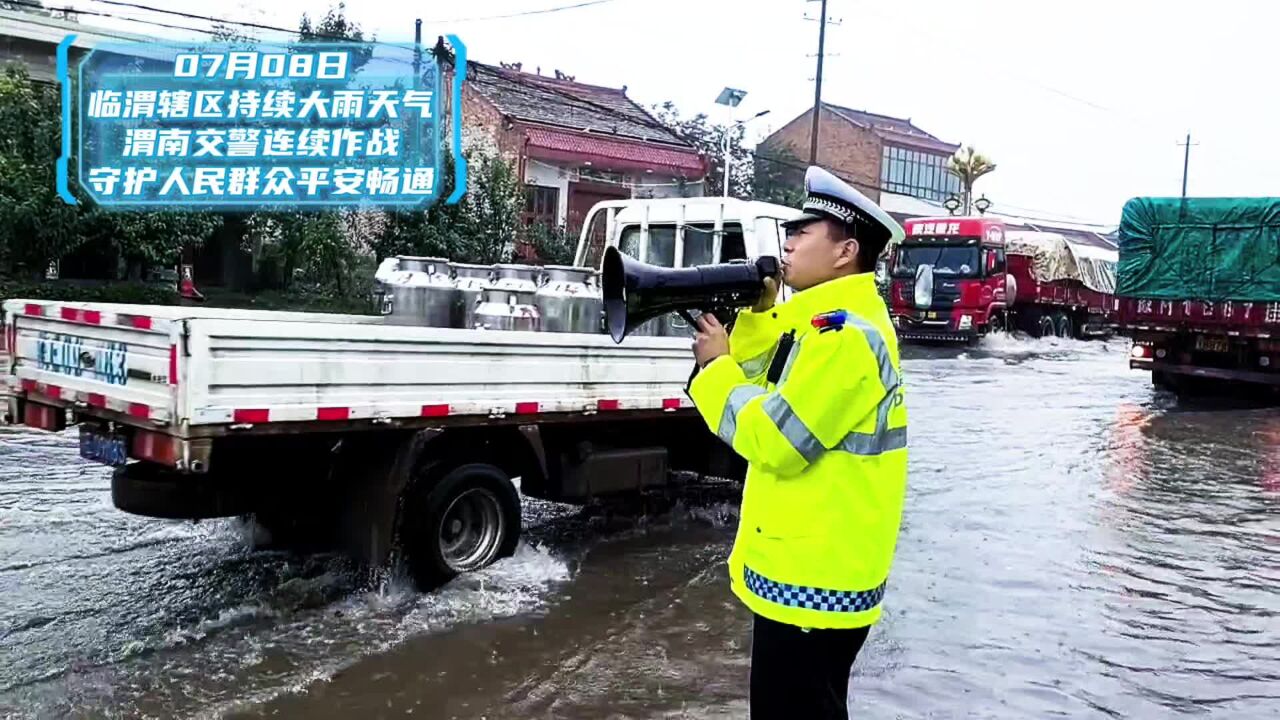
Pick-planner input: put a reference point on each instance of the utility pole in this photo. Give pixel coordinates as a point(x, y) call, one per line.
point(417, 77)
point(817, 87)
point(1186, 160)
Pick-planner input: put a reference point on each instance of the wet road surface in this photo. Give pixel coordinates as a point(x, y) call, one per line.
point(1074, 545)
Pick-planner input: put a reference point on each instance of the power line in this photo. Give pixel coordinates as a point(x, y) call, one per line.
point(95, 13)
point(207, 31)
point(222, 21)
point(523, 13)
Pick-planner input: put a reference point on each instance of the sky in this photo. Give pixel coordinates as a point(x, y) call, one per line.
point(1081, 105)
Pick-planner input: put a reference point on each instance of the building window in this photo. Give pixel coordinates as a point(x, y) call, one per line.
point(541, 205)
point(919, 174)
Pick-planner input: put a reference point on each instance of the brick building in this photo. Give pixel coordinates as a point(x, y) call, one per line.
point(879, 154)
point(574, 144)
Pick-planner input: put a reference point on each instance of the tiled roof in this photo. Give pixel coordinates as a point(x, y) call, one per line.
point(621, 153)
point(536, 98)
point(896, 130)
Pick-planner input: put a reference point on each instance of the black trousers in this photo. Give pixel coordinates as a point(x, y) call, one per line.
point(798, 675)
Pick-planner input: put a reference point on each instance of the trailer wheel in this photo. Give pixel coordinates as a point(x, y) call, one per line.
point(459, 521)
point(1044, 327)
point(1063, 325)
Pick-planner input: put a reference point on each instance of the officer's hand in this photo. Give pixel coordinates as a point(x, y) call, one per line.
point(711, 341)
point(768, 296)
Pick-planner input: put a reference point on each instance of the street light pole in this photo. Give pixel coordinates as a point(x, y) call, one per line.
point(727, 160)
point(727, 129)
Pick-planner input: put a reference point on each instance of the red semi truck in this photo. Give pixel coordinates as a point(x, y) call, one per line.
point(960, 278)
point(1199, 291)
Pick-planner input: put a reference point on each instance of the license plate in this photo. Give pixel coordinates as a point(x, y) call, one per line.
point(70, 355)
point(103, 447)
point(1210, 343)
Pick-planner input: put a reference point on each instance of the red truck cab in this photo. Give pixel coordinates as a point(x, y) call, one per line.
point(948, 279)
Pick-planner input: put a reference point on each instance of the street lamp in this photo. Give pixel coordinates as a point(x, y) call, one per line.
point(727, 159)
point(730, 98)
point(982, 204)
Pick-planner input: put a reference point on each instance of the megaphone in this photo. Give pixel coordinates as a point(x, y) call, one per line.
point(635, 292)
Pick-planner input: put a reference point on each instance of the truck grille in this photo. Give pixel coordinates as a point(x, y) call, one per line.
point(946, 293)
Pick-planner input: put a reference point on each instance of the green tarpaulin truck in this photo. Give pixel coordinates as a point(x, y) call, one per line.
point(1198, 290)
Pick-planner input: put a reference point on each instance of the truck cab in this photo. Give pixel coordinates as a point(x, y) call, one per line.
point(683, 232)
point(948, 279)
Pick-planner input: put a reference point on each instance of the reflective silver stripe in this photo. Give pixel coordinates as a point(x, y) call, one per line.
point(738, 398)
point(798, 434)
point(888, 374)
point(793, 428)
point(758, 364)
point(882, 439)
point(874, 443)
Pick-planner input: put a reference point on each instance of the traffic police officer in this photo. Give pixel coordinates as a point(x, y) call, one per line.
point(810, 393)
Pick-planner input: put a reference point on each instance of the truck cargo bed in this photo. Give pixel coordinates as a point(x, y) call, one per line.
point(198, 372)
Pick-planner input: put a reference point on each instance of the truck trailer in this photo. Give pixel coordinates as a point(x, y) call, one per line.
point(1199, 292)
point(364, 433)
point(957, 279)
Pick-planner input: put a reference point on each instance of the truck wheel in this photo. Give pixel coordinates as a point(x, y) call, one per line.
point(463, 521)
point(1044, 327)
point(1063, 325)
point(998, 324)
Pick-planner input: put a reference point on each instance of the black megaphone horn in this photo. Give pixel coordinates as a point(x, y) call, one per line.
point(635, 292)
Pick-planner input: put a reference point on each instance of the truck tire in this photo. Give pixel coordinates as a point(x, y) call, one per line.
point(458, 520)
point(1044, 326)
point(1063, 326)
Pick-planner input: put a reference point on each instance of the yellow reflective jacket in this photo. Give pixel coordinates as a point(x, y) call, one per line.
point(826, 453)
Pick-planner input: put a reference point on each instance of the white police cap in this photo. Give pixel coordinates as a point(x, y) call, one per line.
point(827, 196)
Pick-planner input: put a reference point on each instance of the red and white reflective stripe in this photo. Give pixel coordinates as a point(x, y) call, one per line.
point(251, 415)
point(140, 410)
point(290, 413)
point(89, 317)
point(173, 365)
point(34, 309)
point(140, 322)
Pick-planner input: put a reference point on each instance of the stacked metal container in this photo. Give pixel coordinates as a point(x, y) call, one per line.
point(470, 282)
point(420, 291)
point(509, 302)
point(433, 292)
point(569, 300)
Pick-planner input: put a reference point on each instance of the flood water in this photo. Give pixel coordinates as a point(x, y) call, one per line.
point(1074, 545)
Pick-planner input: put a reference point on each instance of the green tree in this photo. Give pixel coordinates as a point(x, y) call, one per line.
point(779, 175)
point(708, 139)
point(36, 227)
point(481, 228)
point(312, 249)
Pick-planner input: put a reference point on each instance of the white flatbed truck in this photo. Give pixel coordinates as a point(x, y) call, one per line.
point(350, 431)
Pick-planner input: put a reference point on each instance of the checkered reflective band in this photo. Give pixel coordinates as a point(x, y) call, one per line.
point(846, 212)
point(812, 598)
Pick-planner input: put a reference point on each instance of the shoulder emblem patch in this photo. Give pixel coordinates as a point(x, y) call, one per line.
point(833, 320)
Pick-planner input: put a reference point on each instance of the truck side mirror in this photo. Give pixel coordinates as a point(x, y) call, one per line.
point(991, 261)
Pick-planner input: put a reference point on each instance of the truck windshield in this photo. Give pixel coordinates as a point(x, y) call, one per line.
point(958, 261)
